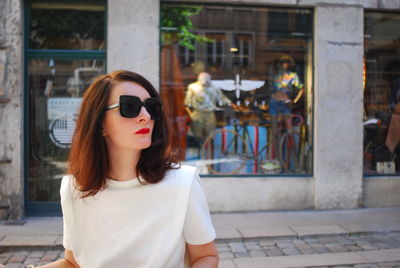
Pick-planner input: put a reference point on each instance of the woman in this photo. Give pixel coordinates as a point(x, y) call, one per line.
point(127, 203)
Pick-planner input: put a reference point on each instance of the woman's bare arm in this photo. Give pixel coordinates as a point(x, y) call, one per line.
point(68, 262)
point(203, 256)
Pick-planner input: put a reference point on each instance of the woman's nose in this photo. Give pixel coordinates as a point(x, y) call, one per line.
point(144, 115)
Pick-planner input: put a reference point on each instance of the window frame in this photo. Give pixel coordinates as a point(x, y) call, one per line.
point(48, 208)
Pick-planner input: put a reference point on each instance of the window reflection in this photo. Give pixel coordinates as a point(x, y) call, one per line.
point(382, 93)
point(239, 100)
point(55, 87)
point(67, 26)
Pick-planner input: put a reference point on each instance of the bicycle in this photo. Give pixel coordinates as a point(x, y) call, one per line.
point(230, 150)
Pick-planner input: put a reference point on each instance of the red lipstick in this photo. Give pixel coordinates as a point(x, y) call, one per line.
point(143, 131)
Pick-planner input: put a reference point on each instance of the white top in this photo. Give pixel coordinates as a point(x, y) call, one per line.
point(133, 225)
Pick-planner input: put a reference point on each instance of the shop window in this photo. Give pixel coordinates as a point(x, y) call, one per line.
point(65, 51)
point(239, 98)
point(381, 93)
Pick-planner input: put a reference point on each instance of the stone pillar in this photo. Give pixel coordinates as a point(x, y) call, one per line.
point(11, 110)
point(133, 41)
point(338, 100)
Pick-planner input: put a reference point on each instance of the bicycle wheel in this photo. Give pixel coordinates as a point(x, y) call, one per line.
point(224, 152)
point(289, 151)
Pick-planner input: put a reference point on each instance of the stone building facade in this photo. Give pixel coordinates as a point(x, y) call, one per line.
point(337, 180)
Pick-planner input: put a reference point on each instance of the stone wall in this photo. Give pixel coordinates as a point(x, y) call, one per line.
point(11, 109)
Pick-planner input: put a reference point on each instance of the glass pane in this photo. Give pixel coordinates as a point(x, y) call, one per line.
point(382, 93)
point(55, 90)
point(238, 84)
point(67, 26)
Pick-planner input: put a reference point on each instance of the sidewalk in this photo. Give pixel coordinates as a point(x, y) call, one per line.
point(265, 239)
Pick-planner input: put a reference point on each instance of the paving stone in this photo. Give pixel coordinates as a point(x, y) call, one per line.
point(285, 245)
point(252, 246)
point(316, 245)
point(6, 254)
point(15, 259)
point(345, 241)
point(226, 256)
point(274, 252)
point(311, 240)
point(257, 253)
point(13, 265)
point(21, 253)
point(353, 248)
point(49, 257)
point(336, 247)
point(327, 240)
point(320, 250)
point(31, 261)
point(307, 251)
point(36, 254)
point(300, 244)
point(222, 247)
point(365, 245)
point(266, 242)
point(242, 255)
point(237, 247)
point(291, 251)
point(382, 246)
point(393, 242)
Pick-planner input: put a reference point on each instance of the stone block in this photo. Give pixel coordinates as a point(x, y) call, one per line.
point(267, 232)
point(237, 247)
point(226, 264)
point(382, 255)
point(330, 259)
point(228, 233)
point(318, 230)
point(14, 240)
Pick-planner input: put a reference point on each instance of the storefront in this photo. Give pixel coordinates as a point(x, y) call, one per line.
point(280, 105)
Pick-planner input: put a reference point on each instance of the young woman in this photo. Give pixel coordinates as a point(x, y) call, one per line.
point(127, 203)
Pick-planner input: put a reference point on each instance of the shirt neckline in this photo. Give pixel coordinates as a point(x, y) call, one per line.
point(122, 184)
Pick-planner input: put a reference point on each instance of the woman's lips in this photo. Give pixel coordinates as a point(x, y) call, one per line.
point(143, 131)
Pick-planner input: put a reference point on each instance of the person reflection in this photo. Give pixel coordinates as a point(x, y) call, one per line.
point(201, 101)
point(287, 89)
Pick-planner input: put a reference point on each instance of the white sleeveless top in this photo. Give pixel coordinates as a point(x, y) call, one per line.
point(133, 225)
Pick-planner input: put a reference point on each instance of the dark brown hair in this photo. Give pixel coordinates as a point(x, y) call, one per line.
point(88, 158)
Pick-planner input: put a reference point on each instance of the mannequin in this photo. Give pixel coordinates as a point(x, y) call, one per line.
point(286, 83)
point(201, 101)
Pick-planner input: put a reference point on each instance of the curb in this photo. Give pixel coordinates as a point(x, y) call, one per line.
point(10, 248)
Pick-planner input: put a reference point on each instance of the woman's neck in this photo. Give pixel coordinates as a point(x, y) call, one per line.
point(123, 164)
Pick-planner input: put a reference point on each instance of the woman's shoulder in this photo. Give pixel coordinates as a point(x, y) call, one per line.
point(68, 187)
point(182, 170)
point(183, 173)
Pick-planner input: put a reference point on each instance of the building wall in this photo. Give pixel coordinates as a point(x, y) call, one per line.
point(133, 43)
point(11, 109)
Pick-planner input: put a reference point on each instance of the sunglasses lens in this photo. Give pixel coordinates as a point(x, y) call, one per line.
point(154, 107)
point(130, 106)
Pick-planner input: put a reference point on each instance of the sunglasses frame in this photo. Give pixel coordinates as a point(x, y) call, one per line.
point(141, 103)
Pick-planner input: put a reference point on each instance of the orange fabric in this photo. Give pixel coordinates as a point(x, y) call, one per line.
point(393, 137)
point(173, 95)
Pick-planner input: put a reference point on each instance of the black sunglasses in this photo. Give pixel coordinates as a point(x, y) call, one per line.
point(130, 106)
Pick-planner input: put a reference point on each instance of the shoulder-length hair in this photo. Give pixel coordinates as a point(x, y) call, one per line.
point(88, 158)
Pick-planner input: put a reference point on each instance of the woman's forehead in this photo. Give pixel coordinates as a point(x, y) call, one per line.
point(128, 88)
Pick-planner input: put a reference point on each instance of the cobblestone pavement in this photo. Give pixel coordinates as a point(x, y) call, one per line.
point(253, 248)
